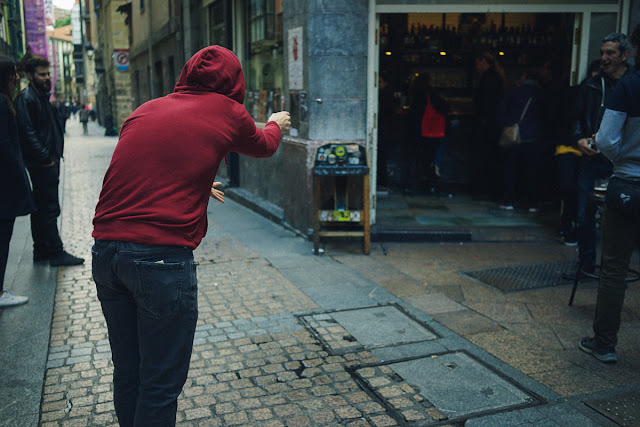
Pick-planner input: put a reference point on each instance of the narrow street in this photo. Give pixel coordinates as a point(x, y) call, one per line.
point(285, 338)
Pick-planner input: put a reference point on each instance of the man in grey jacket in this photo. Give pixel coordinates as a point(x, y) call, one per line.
point(618, 139)
point(593, 96)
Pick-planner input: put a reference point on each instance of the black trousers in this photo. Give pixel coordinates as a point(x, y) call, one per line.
point(567, 166)
point(6, 230)
point(44, 222)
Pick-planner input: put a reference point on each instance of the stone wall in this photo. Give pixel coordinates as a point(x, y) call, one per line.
point(335, 68)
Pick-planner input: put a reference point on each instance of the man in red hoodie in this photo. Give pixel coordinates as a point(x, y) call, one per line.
point(152, 213)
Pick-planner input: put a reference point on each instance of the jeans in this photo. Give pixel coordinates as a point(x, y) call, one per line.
point(149, 300)
point(525, 157)
point(590, 170)
point(44, 222)
point(6, 230)
point(619, 237)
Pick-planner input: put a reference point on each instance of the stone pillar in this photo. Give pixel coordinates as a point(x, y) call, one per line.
point(335, 65)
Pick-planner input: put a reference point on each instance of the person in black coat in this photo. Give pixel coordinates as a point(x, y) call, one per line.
point(524, 100)
point(426, 148)
point(488, 93)
point(42, 143)
point(15, 190)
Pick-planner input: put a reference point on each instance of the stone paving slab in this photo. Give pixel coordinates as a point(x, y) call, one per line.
point(344, 331)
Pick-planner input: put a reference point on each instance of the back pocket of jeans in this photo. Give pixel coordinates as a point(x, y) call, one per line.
point(160, 287)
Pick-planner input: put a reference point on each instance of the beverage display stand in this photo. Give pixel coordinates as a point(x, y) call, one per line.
point(338, 171)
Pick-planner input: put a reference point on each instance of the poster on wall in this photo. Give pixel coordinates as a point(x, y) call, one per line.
point(35, 28)
point(295, 59)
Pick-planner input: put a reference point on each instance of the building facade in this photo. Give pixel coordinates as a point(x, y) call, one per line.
point(322, 61)
point(156, 54)
point(12, 30)
point(114, 94)
point(64, 73)
point(84, 36)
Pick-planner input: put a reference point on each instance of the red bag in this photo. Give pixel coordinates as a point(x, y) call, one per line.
point(433, 122)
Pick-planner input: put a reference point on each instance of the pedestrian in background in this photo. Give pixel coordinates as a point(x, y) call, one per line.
point(593, 96)
point(15, 190)
point(84, 119)
point(524, 104)
point(42, 143)
point(618, 139)
point(152, 214)
point(63, 114)
point(427, 118)
point(485, 150)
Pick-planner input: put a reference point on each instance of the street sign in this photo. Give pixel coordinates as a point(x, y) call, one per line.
point(121, 59)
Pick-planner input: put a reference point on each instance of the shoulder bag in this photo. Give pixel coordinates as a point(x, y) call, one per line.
point(511, 134)
point(433, 122)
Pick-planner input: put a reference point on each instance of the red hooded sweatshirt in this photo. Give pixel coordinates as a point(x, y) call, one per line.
point(157, 187)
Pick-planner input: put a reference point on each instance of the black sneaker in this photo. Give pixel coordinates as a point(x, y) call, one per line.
point(603, 354)
point(65, 259)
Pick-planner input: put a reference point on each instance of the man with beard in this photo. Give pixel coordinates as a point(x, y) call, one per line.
point(42, 142)
point(593, 95)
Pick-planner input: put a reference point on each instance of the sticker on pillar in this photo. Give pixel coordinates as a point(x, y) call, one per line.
point(121, 59)
point(295, 48)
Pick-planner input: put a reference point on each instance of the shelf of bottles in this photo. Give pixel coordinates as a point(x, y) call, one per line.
point(520, 45)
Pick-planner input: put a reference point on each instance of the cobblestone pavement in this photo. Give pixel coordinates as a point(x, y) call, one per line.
point(253, 363)
point(266, 353)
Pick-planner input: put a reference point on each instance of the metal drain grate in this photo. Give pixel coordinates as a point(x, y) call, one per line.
point(523, 277)
point(623, 409)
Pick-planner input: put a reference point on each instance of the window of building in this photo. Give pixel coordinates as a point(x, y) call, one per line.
point(149, 89)
point(159, 84)
point(171, 73)
point(136, 79)
point(217, 23)
point(141, 6)
point(264, 68)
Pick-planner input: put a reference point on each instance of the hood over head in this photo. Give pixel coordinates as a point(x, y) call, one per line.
point(213, 69)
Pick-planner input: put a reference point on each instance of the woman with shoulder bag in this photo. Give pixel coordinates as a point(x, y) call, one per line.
point(429, 112)
point(522, 106)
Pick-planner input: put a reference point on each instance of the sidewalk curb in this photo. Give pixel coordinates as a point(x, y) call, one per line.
point(26, 329)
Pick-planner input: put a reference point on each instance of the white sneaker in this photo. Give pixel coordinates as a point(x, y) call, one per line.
point(7, 299)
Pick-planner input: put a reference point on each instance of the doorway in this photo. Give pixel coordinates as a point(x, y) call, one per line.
point(428, 182)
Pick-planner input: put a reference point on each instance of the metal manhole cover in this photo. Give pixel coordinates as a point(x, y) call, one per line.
point(438, 388)
point(524, 277)
point(345, 331)
point(623, 409)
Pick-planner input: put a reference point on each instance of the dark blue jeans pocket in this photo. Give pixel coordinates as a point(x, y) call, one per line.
point(160, 287)
point(101, 266)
